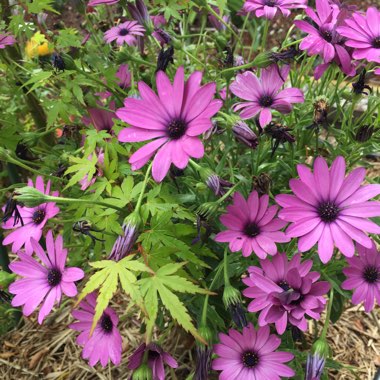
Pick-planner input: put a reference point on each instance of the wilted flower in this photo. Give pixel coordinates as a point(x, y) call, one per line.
point(105, 342)
point(124, 76)
point(285, 56)
point(359, 86)
point(43, 283)
point(101, 119)
point(58, 62)
point(285, 291)
point(279, 134)
point(30, 220)
point(329, 209)
point(85, 227)
point(252, 226)
point(269, 8)
point(124, 33)
point(174, 119)
point(251, 355)
point(124, 243)
point(156, 357)
point(245, 135)
point(363, 34)
point(364, 133)
point(263, 94)
point(139, 12)
point(321, 109)
point(262, 183)
point(164, 58)
point(215, 22)
point(5, 40)
point(161, 36)
point(11, 210)
point(363, 276)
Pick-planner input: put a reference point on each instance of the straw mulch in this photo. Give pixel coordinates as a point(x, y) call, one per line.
point(49, 352)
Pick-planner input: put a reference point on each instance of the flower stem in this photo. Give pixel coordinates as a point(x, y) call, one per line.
point(327, 320)
point(138, 204)
point(225, 268)
point(64, 200)
point(204, 311)
point(265, 35)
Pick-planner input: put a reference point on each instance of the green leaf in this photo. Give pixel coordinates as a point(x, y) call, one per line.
point(38, 6)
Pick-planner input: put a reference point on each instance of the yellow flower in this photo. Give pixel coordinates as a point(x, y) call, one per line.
point(38, 45)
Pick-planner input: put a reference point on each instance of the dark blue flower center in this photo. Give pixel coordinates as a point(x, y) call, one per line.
point(270, 3)
point(266, 101)
point(106, 323)
point(54, 277)
point(327, 35)
point(176, 129)
point(38, 216)
point(371, 274)
point(250, 359)
point(284, 285)
point(328, 211)
point(251, 229)
point(376, 43)
point(123, 32)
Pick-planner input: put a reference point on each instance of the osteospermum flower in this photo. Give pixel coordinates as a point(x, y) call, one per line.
point(263, 94)
point(323, 38)
point(43, 283)
point(251, 355)
point(285, 291)
point(33, 220)
point(252, 226)
point(124, 33)
point(269, 8)
point(105, 342)
point(363, 276)
point(329, 209)
point(363, 34)
point(5, 40)
point(124, 76)
point(174, 119)
point(101, 119)
point(156, 357)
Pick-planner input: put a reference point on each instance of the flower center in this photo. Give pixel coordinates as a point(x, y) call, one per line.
point(371, 274)
point(176, 129)
point(327, 35)
point(270, 3)
point(284, 285)
point(251, 229)
point(54, 277)
point(250, 359)
point(106, 323)
point(266, 101)
point(376, 43)
point(123, 32)
point(38, 216)
point(328, 211)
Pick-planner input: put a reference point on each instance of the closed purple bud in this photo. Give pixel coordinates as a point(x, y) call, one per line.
point(245, 134)
point(314, 367)
point(139, 12)
point(217, 185)
point(161, 36)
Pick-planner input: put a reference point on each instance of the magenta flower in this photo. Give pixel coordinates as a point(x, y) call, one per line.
point(251, 355)
point(101, 119)
point(363, 34)
point(269, 8)
point(174, 119)
point(377, 71)
point(252, 226)
point(33, 220)
point(363, 276)
point(124, 76)
point(105, 343)
point(124, 33)
point(6, 39)
point(44, 282)
point(263, 94)
point(323, 38)
point(285, 291)
point(329, 209)
point(94, 3)
point(215, 22)
point(156, 358)
point(98, 173)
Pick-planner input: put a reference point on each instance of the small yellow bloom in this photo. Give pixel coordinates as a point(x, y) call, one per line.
point(38, 45)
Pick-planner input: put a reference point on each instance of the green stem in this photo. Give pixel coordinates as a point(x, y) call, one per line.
point(225, 269)
point(265, 34)
point(138, 204)
point(204, 311)
point(329, 308)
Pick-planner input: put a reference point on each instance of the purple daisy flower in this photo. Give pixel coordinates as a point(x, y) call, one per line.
point(124, 33)
point(285, 291)
point(105, 343)
point(323, 38)
point(5, 40)
point(263, 94)
point(101, 119)
point(363, 34)
point(124, 76)
point(44, 282)
point(363, 276)
point(329, 209)
point(251, 355)
point(252, 226)
point(174, 119)
point(156, 358)
point(33, 220)
point(269, 8)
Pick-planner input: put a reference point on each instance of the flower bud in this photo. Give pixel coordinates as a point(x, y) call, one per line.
point(232, 302)
point(30, 196)
point(245, 134)
point(203, 355)
point(364, 133)
point(262, 60)
point(124, 243)
point(317, 359)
